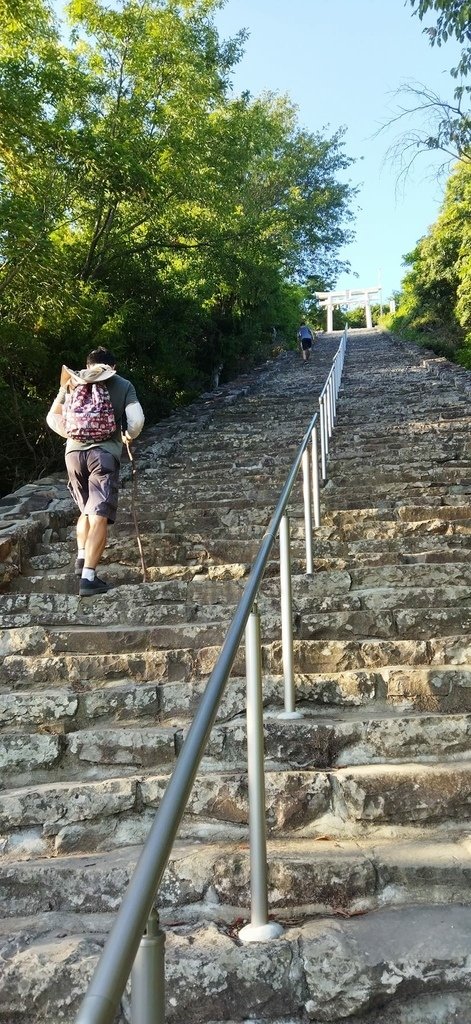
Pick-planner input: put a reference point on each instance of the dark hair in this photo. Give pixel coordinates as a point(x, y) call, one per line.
point(101, 355)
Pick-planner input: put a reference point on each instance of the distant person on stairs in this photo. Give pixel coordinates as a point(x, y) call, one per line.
point(96, 410)
point(305, 338)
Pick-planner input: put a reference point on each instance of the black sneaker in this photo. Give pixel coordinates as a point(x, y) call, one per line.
point(79, 564)
point(88, 588)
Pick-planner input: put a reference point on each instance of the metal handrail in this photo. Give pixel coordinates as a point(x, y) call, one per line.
point(116, 962)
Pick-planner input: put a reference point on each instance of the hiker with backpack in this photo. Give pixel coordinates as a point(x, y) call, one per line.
point(97, 411)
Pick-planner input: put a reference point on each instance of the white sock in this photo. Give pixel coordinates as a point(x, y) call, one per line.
point(88, 574)
point(81, 553)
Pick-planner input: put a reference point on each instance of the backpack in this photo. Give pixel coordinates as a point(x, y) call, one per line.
point(88, 413)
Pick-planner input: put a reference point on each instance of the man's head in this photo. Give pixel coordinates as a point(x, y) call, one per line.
point(101, 355)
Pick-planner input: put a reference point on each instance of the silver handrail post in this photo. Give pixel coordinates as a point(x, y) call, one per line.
point(287, 621)
point(260, 928)
point(307, 513)
point(326, 426)
point(315, 481)
point(323, 446)
point(148, 976)
point(326, 417)
point(330, 421)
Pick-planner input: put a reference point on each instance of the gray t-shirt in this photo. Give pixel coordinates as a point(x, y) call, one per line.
point(122, 393)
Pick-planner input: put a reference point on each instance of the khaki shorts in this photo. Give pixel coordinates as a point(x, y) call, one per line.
point(93, 481)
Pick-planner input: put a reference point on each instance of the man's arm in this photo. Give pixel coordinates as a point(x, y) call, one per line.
point(134, 415)
point(55, 418)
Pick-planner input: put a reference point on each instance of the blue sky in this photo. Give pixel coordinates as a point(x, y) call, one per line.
point(341, 61)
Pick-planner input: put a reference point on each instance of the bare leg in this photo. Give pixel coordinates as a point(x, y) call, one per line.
point(83, 527)
point(96, 540)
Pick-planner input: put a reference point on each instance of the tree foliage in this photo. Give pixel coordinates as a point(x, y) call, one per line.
point(145, 207)
point(453, 20)
point(436, 122)
point(435, 302)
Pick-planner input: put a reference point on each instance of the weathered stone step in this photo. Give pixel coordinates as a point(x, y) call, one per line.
point(225, 549)
point(122, 608)
point(432, 549)
point(378, 622)
point(208, 600)
point(123, 605)
point(353, 459)
point(306, 876)
point(369, 405)
point(130, 573)
point(411, 575)
point(321, 741)
point(433, 521)
point(319, 968)
point(369, 516)
point(420, 473)
point(29, 757)
point(392, 793)
point(369, 617)
point(372, 432)
point(37, 663)
point(62, 708)
point(160, 549)
point(80, 639)
point(87, 814)
point(432, 688)
point(208, 528)
point(348, 737)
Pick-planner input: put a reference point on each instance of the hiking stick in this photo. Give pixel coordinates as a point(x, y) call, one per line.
point(134, 508)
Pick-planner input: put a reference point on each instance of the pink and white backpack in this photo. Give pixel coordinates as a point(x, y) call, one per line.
point(88, 413)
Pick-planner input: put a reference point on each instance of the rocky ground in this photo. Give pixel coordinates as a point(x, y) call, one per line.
point(368, 795)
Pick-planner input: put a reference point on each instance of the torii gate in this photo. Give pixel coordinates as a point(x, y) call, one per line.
point(350, 297)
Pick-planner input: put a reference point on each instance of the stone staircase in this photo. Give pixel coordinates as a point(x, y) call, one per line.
point(368, 796)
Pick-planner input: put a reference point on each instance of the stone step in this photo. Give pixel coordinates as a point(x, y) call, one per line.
point(394, 497)
point(65, 710)
point(320, 968)
point(375, 619)
point(321, 740)
point(351, 460)
point(346, 737)
point(412, 546)
point(439, 522)
point(205, 600)
point(30, 662)
point(318, 877)
point(430, 688)
point(88, 813)
point(422, 474)
point(414, 612)
point(365, 518)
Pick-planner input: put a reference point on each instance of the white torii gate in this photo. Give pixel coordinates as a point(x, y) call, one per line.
point(350, 297)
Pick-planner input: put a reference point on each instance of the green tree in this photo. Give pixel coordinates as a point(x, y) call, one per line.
point(453, 19)
point(435, 299)
point(441, 124)
point(145, 208)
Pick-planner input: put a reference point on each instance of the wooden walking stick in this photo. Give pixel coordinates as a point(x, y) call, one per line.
point(134, 507)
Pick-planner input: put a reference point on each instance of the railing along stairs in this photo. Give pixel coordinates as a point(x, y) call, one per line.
point(136, 944)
